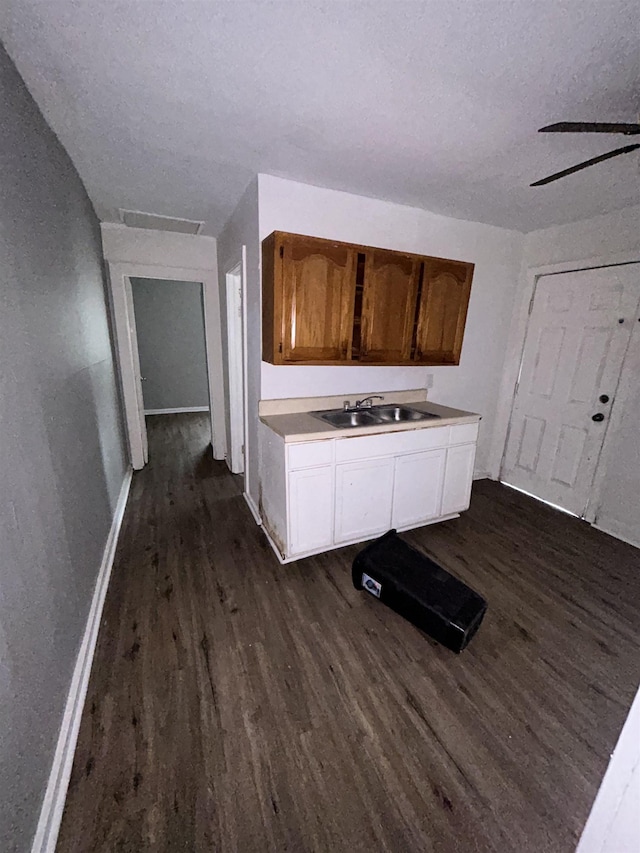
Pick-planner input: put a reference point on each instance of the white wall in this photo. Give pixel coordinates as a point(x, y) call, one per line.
point(122, 244)
point(474, 384)
point(614, 823)
point(602, 236)
point(242, 229)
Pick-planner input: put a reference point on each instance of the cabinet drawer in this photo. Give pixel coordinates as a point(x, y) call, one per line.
point(309, 454)
point(390, 444)
point(463, 434)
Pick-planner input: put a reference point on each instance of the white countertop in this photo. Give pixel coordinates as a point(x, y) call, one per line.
point(302, 426)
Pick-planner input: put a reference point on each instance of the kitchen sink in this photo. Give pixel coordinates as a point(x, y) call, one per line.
point(340, 418)
point(400, 414)
point(372, 416)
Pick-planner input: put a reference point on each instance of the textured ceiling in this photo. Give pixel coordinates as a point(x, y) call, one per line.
point(171, 106)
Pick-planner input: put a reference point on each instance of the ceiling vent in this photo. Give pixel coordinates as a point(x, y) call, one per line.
point(138, 219)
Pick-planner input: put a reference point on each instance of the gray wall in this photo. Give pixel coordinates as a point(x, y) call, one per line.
point(62, 456)
point(171, 343)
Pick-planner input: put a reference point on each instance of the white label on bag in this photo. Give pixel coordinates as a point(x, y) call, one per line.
point(374, 587)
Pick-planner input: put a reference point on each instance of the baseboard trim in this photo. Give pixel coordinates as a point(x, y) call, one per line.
point(610, 532)
point(254, 509)
point(54, 799)
point(177, 411)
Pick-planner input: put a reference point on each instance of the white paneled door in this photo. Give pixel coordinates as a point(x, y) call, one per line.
point(577, 337)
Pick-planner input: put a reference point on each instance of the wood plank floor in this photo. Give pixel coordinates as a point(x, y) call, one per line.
point(238, 705)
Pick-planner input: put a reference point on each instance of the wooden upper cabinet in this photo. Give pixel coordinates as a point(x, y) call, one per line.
point(444, 298)
point(308, 308)
point(388, 306)
point(325, 302)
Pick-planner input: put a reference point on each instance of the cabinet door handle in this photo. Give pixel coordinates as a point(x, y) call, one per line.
point(598, 417)
point(604, 398)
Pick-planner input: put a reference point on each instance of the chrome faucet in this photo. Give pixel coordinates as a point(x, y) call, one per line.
point(367, 402)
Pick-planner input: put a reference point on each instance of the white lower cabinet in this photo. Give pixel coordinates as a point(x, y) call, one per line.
point(364, 496)
point(311, 509)
point(319, 494)
point(458, 478)
point(417, 488)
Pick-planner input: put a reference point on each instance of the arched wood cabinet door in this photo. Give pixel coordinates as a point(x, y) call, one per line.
point(388, 306)
point(446, 286)
point(318, 290)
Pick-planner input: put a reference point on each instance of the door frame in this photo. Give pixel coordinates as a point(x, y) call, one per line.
point(510, 382)
point(119, 276)
point(235, 293)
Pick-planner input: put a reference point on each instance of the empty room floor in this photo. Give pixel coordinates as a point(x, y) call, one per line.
point(239, 705)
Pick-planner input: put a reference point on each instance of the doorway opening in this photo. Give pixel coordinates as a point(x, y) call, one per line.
point(170, 334)
point(122, 303)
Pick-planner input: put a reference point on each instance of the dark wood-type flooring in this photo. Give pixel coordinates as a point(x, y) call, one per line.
point(239, 705)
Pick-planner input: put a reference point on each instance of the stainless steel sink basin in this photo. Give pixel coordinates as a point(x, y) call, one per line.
point(401, 414)
point(340, 418)
point(374, 416)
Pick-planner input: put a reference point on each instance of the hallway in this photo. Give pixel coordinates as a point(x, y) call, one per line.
point(239, 705)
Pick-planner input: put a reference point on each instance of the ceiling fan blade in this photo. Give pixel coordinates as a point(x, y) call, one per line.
point(590, 127)
point(592, 162)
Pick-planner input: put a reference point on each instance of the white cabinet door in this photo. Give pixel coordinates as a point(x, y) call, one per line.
point(364, 495)
point(417, 488)
point(310, 510)
point(458, 478)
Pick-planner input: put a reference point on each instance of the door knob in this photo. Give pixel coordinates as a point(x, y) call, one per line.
point(597, 417)
point(604, 398)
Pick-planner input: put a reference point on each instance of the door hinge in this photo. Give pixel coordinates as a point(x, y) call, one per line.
point(280, 347)
point(533, 296)
point(282, 251)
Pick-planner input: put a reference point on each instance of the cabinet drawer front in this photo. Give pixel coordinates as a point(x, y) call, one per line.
point(463, 434)
point(309, 454)
point(390, 444)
